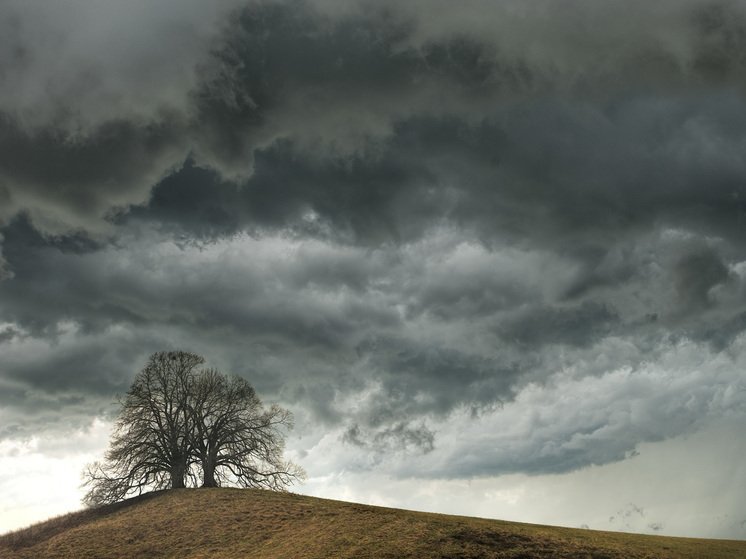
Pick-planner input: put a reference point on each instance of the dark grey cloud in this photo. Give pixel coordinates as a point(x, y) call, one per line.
point(418, 378)
point(361, 120)
point(78, 65)
point(397, 438)
point(551, 174)
point(697, 273)
point(67, 183)
point(579, 326)
point(94, 105)
point(55, 388)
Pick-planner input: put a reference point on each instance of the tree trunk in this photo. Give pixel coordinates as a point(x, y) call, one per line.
point(209, 463)
point(208, 474)
point(178, 473)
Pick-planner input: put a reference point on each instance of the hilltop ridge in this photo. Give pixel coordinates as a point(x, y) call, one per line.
point(192, 523)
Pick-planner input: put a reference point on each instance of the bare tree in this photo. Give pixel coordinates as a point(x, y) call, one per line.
point(177, 421)
point(236, 440)
point(151, 442)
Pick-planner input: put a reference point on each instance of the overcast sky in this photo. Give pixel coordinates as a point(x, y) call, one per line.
point(489, 253)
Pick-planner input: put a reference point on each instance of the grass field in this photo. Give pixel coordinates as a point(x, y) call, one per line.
point(202, 523)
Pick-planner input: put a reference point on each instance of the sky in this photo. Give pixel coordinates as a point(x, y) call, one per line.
point(489, 253)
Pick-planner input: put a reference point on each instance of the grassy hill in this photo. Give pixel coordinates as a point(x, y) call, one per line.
point(201, 523)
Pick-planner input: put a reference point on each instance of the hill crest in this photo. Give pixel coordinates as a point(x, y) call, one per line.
point(265, 524)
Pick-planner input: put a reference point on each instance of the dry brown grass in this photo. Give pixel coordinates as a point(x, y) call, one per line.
point(202, 523)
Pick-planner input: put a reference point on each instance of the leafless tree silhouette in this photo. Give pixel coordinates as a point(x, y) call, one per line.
point(177, 421)
point(235, 439)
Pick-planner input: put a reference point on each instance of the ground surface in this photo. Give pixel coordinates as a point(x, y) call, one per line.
point(202, 523)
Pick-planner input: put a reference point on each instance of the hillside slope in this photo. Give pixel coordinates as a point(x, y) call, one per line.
point(201, 523)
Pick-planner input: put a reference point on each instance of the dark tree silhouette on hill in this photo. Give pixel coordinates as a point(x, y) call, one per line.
point(236, 440)
point(177, 422)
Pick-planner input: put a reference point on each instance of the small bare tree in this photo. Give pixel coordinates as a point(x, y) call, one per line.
point(177, 421)
point(236, 440)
